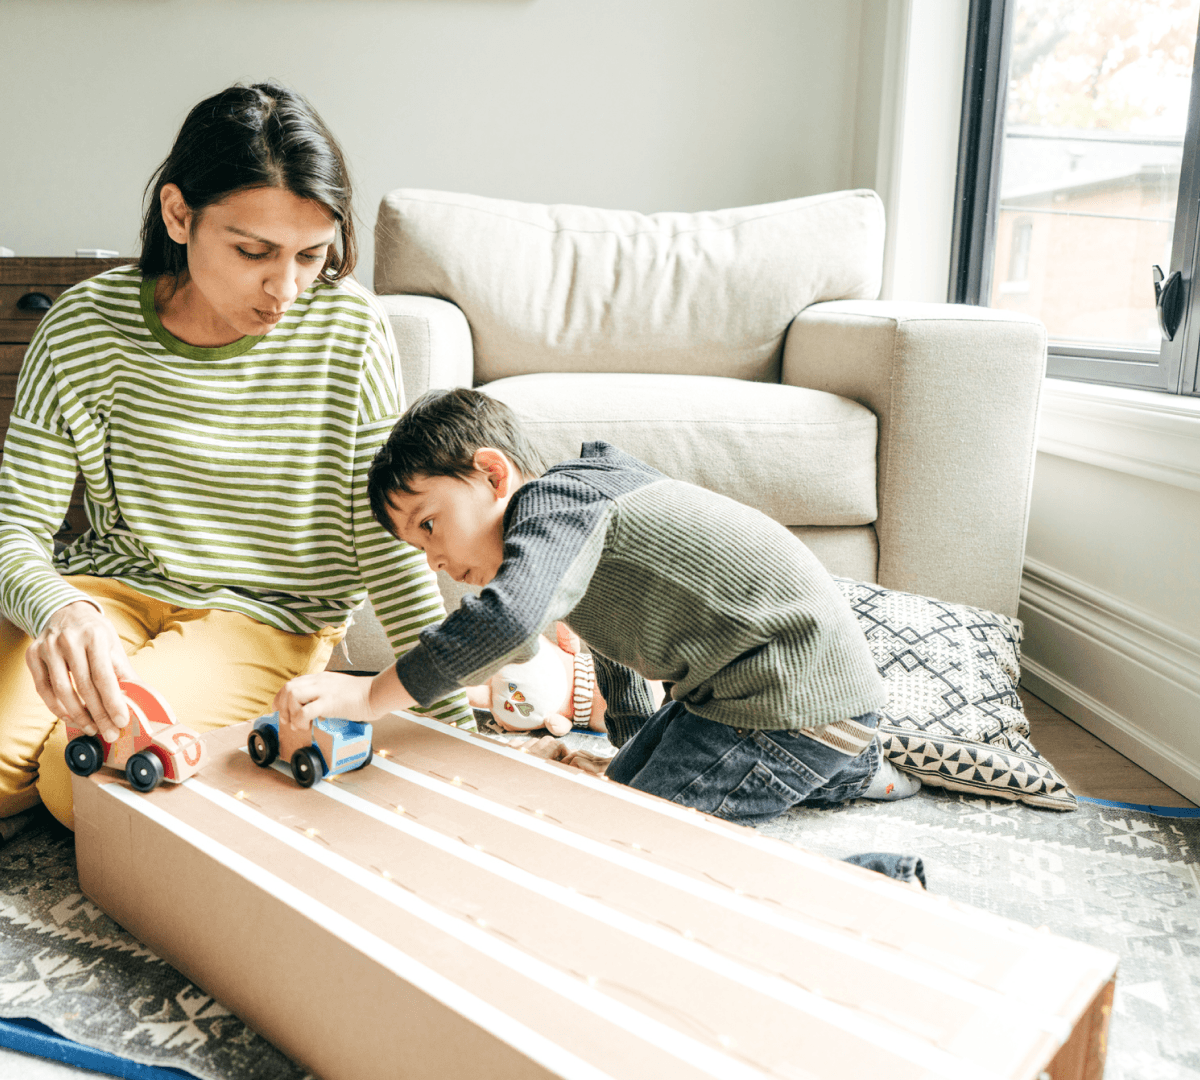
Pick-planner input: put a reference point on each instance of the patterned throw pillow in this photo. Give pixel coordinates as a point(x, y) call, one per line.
point(953, 717)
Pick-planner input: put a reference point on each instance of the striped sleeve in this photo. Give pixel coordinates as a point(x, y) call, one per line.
point(36, 479)
point(628, 703)
point(403, 589)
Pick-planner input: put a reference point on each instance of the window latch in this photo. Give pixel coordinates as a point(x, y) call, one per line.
point(1168, 299)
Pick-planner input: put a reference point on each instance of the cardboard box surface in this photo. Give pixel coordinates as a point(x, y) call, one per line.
point(459, 909)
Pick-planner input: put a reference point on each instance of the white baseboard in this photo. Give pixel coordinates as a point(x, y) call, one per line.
point(1117, 671)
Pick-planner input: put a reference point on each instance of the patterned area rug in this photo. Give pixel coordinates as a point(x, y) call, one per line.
point(67, 964)
point(1106, 874)
point(1120, 878)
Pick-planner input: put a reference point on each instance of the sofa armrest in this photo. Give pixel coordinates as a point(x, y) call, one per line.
point(434, 342)
point(955, 389)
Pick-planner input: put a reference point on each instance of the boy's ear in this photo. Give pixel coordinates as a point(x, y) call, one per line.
point(497, 468)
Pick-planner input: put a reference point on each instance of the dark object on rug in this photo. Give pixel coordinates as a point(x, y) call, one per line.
point(64, 963)
point(1110, 875)
point(18, 823)
point(906, 868)
point(953, 716)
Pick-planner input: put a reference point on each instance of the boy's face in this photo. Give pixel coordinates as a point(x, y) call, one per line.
point(458, 523)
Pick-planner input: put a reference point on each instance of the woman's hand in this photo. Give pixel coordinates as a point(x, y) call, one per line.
point(76, 661)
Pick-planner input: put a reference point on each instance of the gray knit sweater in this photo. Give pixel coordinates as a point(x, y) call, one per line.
point(662, 580)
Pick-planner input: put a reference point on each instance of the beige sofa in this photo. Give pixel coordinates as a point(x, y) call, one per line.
point(742, 350)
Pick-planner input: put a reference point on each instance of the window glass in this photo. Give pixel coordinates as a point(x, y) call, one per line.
point(1095, 117)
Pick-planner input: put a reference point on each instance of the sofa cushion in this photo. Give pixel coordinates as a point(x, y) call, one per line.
point(570, 288)
point(804, 457)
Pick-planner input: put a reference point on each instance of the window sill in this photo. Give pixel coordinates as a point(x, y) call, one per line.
point(1140, 432)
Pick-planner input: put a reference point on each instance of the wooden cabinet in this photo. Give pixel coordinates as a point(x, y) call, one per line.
point(27, 289)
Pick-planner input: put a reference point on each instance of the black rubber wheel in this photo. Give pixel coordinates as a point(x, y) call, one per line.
point(370, 754)
point(85, 755)
point(263, 745)
point(306, 766)
point(144, 771)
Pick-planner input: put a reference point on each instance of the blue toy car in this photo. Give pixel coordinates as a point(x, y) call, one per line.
point(337, 746)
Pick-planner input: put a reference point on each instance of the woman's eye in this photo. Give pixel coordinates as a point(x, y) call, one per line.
point(312, 258)
point(251, 254)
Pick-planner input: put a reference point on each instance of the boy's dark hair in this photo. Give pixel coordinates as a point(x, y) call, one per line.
point(438, 436)
point(257, 136)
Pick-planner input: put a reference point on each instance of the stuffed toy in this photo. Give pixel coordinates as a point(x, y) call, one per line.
point(555, 690)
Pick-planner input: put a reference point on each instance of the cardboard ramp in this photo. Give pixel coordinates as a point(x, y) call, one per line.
point(459, 909)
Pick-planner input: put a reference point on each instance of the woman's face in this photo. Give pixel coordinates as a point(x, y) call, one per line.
point(249, 255)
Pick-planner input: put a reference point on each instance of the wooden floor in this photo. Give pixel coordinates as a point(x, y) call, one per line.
point(1089, 766)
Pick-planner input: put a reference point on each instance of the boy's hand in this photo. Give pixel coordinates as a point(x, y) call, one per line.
point(551, 749)
point(326, 693)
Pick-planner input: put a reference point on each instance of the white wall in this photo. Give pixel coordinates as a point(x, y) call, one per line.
point(637, 104)
point(1111, 592)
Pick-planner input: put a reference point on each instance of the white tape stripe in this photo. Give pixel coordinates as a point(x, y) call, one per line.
point(886, 890)
point(892, 961)
point(705, 1058)
point(504, 1027)
point(861, 1025)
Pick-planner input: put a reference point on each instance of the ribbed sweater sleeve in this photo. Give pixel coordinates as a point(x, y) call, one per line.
point(554, 536)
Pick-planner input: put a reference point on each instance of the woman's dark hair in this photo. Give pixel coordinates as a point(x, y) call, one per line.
point(438, 436)
point(263, 135)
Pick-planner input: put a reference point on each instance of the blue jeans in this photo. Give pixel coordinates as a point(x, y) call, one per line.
point(740, 774)
point(749, 776)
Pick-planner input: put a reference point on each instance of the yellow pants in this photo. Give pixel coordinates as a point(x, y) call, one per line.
point(214, 667)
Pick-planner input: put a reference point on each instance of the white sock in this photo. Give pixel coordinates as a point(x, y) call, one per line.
point(889, 783)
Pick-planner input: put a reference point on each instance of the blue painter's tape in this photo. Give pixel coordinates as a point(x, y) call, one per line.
point(31, 1037)
point(1157, 811)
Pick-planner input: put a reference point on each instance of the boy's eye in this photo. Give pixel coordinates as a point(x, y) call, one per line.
point(426, 525)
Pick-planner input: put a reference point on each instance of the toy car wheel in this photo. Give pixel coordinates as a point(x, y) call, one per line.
point(306, 766)
point(370, 754)
point(144, 771)
point(85, 755)
point(263, 745)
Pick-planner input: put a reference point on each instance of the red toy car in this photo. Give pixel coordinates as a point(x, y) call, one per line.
point(151, 749)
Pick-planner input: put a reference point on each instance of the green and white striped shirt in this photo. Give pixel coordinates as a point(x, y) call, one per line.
point(231, 478)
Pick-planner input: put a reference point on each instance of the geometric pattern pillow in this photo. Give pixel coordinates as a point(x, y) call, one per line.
point(953, 717)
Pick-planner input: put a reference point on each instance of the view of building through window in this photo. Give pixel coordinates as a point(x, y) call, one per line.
point(1094, 124)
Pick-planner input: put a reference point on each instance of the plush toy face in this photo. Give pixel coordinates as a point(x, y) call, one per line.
point(534, 694)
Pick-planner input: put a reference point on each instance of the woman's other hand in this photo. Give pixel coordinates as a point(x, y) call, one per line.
point(76, 662)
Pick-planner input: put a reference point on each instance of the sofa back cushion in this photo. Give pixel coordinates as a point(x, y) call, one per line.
point(575, 289)
point(803, 457)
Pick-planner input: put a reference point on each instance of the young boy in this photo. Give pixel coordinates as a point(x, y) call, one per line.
point(773, 689)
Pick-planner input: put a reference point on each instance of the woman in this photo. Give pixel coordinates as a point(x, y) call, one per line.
point(223, 400)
